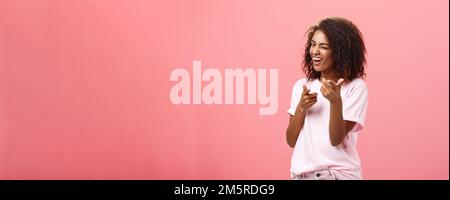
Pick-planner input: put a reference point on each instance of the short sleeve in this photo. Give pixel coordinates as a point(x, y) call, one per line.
point(356, 102)
point(296, 94)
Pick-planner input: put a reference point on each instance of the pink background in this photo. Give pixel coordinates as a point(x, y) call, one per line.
point(84, 87)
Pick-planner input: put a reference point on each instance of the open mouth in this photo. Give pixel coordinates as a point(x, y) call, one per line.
point(317, 61)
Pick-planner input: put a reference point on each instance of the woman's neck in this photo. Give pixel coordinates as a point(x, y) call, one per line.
point(329, 75)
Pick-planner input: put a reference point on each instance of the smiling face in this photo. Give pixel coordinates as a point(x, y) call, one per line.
point(320, 52)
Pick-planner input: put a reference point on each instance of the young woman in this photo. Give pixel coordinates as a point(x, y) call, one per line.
point(328, 107)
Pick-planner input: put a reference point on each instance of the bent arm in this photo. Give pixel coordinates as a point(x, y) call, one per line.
point(295, 126)
point(339, 128)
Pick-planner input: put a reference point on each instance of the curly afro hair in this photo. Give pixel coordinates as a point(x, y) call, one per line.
point(347, 48)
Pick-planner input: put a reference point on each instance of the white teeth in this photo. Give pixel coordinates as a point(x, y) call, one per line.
point(317, 59)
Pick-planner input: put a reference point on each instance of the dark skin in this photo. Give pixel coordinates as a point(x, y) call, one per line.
point(321, 53)
point(338, 127)
point(296, 121)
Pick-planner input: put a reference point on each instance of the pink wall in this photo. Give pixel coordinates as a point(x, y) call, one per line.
point(84, 87)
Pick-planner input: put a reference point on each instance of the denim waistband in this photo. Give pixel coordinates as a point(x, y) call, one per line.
point(325, 174)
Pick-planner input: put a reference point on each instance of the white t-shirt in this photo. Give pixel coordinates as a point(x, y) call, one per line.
point(313, 150)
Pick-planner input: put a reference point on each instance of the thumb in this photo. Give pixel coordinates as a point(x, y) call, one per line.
point(305, 89)
point(340, 82)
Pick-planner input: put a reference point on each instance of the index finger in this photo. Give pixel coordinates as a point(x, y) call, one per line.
point(331, 84)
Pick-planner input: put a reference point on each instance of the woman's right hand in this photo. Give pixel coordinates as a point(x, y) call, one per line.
point(307, 100)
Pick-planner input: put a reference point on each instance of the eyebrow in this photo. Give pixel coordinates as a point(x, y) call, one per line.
point(320, 43)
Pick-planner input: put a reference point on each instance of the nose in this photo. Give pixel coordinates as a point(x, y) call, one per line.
point(314, 50)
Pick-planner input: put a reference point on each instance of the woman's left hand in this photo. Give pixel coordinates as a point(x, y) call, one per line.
point(331, 90)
